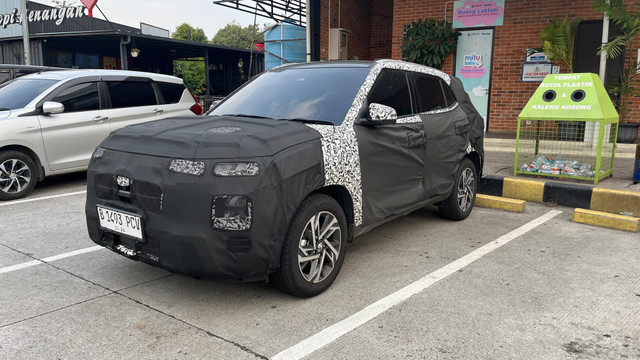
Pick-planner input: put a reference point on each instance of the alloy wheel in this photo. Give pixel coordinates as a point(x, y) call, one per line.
point(14, 176)
point(319, 247)
point(466, 191)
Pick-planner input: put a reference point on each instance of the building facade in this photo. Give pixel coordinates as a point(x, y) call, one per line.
point(67, 37)
point(375, 30)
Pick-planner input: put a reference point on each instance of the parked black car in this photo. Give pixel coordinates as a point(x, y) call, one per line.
point(10, 72)
point(284, 172)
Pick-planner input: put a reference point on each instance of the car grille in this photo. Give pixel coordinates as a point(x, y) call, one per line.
point(144, 195)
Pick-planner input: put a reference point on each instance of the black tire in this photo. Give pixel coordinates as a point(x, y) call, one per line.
point(18, 175)
point(299, 277)
point(463, 195)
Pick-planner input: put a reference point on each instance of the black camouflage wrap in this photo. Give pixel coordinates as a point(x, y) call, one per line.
point(167, 168)
point(176, 208)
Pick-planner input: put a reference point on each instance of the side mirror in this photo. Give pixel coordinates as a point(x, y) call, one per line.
point(52, 107)
point(379, 115)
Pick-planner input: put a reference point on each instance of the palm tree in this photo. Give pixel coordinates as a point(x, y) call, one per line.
point(629, 25)
point(559, 38)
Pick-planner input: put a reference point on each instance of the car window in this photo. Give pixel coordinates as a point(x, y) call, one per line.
point(448, 95)
point(429, 93)
point(392, 89)
point(130, 93)
point(4, 76)
point(170, 92)
point(323, 94)
point(17, 93)
point(81, 97)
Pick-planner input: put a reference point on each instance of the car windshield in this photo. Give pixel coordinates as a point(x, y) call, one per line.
point(17, 93)
point(317, 95)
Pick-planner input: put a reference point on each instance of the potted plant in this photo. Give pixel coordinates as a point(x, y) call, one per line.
point(629, 24)
point(429, 42)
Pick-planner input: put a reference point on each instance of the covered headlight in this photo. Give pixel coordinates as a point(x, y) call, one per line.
point(236, 169)
point(189, 167)
point(231, 212)
point(98, 153)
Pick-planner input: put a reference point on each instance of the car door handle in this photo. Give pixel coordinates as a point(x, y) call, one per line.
point(157, 111)
point(100, 119)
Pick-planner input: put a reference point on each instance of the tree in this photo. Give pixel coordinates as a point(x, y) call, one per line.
point(559, 38)
point(234, 35)
point(429, 42)
point(185, 31)
point(192, 71)
point(629, 24)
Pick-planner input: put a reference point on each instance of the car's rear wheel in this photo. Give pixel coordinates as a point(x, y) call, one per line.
point(18, 175)
point(460, 202)
point(314, 248)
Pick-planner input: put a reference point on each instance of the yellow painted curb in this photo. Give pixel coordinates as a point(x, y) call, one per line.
point(495, 202)
point(608, 220)
point(528, 190)
point(615, 201)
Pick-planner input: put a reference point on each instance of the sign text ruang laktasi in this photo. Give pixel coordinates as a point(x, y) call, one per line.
point(59, 15)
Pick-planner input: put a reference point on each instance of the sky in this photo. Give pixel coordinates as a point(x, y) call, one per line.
point(168, 14)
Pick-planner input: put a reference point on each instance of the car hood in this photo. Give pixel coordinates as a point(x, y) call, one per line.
point(210, 137)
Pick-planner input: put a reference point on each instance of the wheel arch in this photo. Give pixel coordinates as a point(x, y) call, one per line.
point(476, 159)
point(340, 194)
point(32, 154)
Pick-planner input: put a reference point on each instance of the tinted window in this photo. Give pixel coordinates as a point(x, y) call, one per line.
point(429, 93)
point(170, 92)
point(80, 97)
point(448, 95)
point(309, 93)
point(17, 93)
point(128, 94)
point(391, 89)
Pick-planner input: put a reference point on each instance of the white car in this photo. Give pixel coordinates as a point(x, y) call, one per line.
point(51, 122)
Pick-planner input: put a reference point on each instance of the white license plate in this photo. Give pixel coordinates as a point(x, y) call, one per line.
point(120, 222)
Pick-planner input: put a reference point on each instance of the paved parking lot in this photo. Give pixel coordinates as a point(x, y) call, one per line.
point(497, 285)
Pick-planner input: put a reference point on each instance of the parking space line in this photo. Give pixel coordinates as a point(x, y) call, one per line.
point(29, 264)
point(337, 330)
point(41, 198)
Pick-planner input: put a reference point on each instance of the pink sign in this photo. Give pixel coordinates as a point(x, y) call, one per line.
point(471, 13)
point(472, 72)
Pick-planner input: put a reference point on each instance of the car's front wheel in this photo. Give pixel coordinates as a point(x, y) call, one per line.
point(460, 202)
point(314, 248)
point(17, 175)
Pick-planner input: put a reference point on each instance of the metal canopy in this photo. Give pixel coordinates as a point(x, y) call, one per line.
point(277, 10)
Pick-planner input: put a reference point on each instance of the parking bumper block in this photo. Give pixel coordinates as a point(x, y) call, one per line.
point(608, 220)
point(502, 203)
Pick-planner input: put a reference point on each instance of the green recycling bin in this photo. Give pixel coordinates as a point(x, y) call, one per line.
point(568, 129)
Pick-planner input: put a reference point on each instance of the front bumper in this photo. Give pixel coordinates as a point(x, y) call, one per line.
point(176, 210)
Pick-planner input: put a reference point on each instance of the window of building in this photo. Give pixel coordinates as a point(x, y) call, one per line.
point(392, 89)
point(81, 97)
point(129, 94)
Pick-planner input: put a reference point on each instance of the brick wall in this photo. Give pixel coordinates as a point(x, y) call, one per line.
point(352, 15)
point(381, 25)
point(523, 20)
